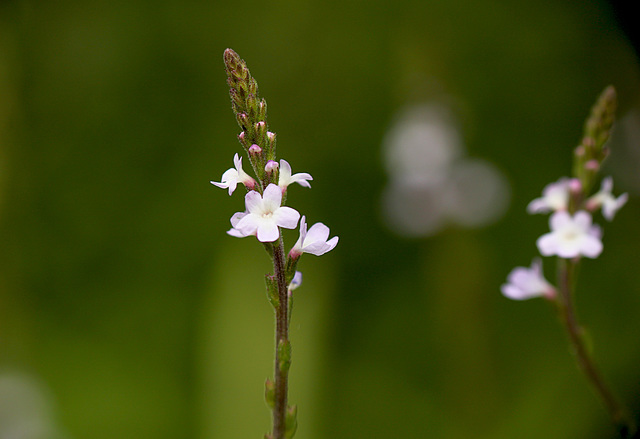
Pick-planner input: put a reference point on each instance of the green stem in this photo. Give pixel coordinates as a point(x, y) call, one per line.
point(282, 337)
point(618, 413)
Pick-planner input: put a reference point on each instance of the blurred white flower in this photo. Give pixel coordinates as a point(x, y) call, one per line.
point(431, 183)
point(605, 199)
point(476, 193)
point(555, 197)
point(26, 410)
point(423, 142)
point(571, 236)
point(526, 283)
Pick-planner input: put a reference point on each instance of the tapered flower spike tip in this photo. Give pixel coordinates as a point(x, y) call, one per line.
point(593, 150)
point(600, 121)
point(235, 66)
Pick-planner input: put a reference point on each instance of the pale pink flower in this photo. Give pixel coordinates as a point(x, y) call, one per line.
point(264, 215)
point(286, 178)
point(233, 176)
point(571, 236)
point(605, 199)
point(313, 241)
point(526, 283)
point(555, 197)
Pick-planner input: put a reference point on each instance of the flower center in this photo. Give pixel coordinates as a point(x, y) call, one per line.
point(571, 234)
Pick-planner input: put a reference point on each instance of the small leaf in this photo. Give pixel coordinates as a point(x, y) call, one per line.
point(291, 421)
point(272, 290)
point(284, 355)
point(270, 393)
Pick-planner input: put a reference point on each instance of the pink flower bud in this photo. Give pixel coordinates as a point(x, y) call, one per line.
point(575, 186)
point(592, 165)
point(255, 149)
point(271, 166)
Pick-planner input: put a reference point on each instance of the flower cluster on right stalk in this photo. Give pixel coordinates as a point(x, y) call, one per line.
point(572, 233)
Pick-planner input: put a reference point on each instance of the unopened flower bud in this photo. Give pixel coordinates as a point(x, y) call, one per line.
point(261, 129)
point(592, 165)
point(243, 120)
point(253, 87)
point(579, 151)
point(575, 186)
point(251, 102)
point(272, 140)
point(241, 138)
point(255, 149)
point(589, 143)
point(262, 109)
point(271, 166)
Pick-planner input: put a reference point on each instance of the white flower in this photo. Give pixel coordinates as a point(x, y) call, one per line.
point(263, 216)
point(526, 283)
point(233, 176)
point(286, 178)
point(555, 197)
point(313, 241)
point(571, 236)
point(605, 199)
point(296, 281)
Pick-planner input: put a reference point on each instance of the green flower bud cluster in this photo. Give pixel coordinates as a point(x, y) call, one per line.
point(592, 151)
point(251, 115)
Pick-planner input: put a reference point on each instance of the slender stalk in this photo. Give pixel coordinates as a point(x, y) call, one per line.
point(282, 337)
point(617, 411)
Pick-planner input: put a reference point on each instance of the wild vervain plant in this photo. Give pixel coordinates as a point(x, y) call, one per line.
point(573, 235)
point(264, 216)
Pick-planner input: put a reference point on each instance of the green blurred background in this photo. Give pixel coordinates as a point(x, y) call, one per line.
point(125, 309)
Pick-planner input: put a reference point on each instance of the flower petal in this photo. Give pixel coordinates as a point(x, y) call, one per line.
point(591, 247)
point(286, 217)
point(268, 231)
point(547, 244)
point(253, 202)
point(317, 233)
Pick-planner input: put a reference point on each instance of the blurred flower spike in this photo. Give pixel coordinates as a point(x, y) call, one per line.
point(572, 236)
point(526, 283)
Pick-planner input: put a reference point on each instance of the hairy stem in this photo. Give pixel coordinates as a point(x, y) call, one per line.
point(618, 413)
point(282, 337)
